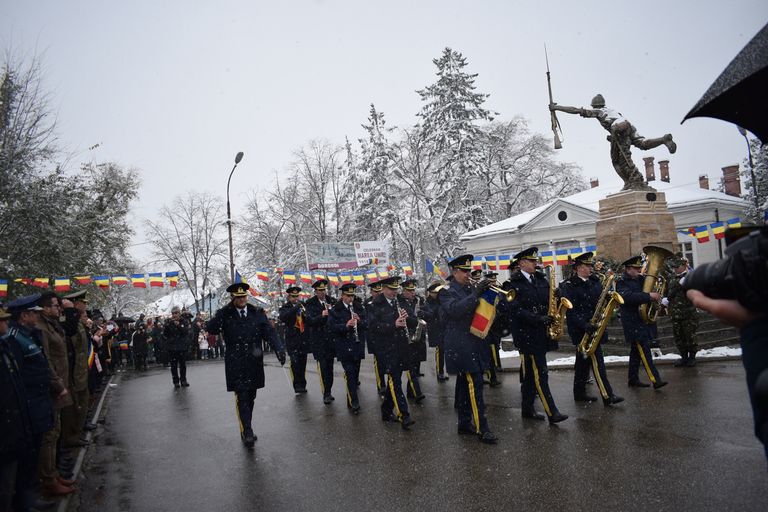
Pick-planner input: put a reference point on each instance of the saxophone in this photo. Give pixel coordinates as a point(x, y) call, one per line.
point(655, 258)
point(557, 309)
point(608, 301)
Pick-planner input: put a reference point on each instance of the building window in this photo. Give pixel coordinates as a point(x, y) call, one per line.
point(562, 215)
point(688, 252)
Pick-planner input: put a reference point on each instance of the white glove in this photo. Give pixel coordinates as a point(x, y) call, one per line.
point(665, 302)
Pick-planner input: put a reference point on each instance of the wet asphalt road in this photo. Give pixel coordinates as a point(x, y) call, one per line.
point(687, 447)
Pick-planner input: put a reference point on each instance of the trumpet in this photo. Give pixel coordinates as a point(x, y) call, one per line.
point(509, 295)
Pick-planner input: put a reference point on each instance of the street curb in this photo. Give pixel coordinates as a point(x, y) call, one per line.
point(64, 503)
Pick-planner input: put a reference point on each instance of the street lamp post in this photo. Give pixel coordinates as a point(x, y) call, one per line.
point(238, 157)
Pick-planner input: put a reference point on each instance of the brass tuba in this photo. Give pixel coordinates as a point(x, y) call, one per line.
point(557, 309)
point(654, 281)
point(608, 301)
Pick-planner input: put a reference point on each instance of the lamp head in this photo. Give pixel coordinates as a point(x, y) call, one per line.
point(238, 157)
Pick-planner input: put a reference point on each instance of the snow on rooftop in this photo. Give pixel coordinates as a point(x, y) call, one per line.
point(677, 196)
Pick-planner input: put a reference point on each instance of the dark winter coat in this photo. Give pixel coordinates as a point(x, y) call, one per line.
point(35, 372)
point(528, 312)
point(430, 313)
point(320, 336)
point(77, 342)
point(243, 360)
point(631, 290)
point(140, 347)
point(464, 352)
point(370, 338)
point(418, 347)
point(55, 348)
point(392, 351)
point(347, 346)
point(176, 334)
point(15, 430)
point(296, 342)
point(584, 296)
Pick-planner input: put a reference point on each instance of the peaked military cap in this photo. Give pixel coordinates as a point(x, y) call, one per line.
point(409, 284)
point(320, 284)
point(435, 287)
point(476, 273)
point(239, 289)
point(25, 303)
point(375, 286)
point(463, 262)
point(491, 274)
point(634, 261)
point(348, 289)
point(584, 259)
point(390, 282)
point(4, 314)
point(531, 253)
point(293, 291)
point(77, 296)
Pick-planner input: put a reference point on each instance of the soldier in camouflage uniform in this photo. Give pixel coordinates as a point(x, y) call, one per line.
point(685, 320)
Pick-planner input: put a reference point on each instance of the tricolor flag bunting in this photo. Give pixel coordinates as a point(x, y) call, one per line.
point(262, 274)
point(101, 281)
point(239, 278)
point(576, 251)
point(318, 275)
point(357, 277)
point(547, 258)
point(289, 276)
point(383, 274)
point(306, 277)
point(61, 284)
point(120, 280)
point(3, 287)
point(41, 282)
point(23, 280)
point(485, 312)
point(408, 270)
point(333, 278)
point(371, 275)
point(734, 222)
point(156, 280)
point(477, 263)
point(173, 278)
point(346, 277)
point(491, 262)
point(505, 260)
point(591, 248)
point(138, 281)
point(561, 256)
point(718, 229)
point(83, 279)
point(428, 266)
point(702, 234)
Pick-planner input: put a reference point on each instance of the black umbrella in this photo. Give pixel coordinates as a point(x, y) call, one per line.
point(124, 320)
point(740, 93)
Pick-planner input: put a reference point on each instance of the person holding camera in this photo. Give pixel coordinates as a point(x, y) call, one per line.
point(244, 327)
point(636, 332)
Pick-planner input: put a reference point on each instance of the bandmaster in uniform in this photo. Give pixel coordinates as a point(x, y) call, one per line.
point(292, 315)
point(243, 327)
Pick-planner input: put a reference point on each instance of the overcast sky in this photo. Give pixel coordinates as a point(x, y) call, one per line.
point(176, 88)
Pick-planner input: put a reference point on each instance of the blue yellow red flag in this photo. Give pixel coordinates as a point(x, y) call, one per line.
point(485, 312)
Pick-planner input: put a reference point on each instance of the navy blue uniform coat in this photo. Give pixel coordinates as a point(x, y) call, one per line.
point(392, 349)
point(347, 347)
point(464, 352)
point(243, 359)
point(320, 335)
point(528, 312)
point(631, 290)
point(296, 342)
point(584, 296)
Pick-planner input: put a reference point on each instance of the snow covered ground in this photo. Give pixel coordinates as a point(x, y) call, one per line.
point(701, 354)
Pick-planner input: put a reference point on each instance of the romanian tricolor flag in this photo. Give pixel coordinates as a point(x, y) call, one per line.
point(505, 260)
point(357, 277)
point(408, 270)
point(383, 274)
point(156, 280)
point(3, 287)
point(61, 284)
point(391, 267)
point(120, 280)
point(91, 353)
point(734, 222)
point(702, 234)
point(591, 248)
point(371, 276)
point(491, 262)
point(718, 229)
point(279, 270)
point(442, 273)
point(477, 263)
point(41, 282)
point(687, 232)
point(262, 274)
point(576, 251)
point(561, 256)
point(428, 266)
point(23, 280)
point(547, 258)
point(346, 277)
point(333, 278)
point(289, 276)
point(306, 277)
point(138, 281)
point(239, 278)
point(173, 278)
point(83, 280)
point(318, 275)
point(373, 261)
point(101, 281)
point(485, 312)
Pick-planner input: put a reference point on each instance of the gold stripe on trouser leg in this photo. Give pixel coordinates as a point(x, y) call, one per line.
point(346, 383)
point(437, 360)
point(237, 409)
point(320, 374)
point(410, 383)
point(493, 354)
point(645, 363)
point(376, 372)
point(538, 387)
point(473, 402)
point(598, 378)
point(394, 397)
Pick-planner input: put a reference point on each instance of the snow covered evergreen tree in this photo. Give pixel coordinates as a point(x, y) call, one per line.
point(756, 208)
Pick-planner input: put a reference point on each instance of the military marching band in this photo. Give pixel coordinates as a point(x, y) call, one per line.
point(464, 319)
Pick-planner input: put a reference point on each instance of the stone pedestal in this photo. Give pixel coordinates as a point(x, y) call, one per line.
point(632, 219)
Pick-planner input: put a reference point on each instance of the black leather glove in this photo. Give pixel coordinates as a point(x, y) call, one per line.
point(281, 357)
point(482, 286)
point(591, 328)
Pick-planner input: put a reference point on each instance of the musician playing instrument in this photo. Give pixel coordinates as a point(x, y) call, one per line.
point(320, 336)
point(430, 313)
point(465, 353)
point(636, 332)
point(347, 323)
point(584, 289)
point(496, 332)
point(411, 303)
point(387, 323)
point(529, 320)
point(292, 314)
point(378, 369)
